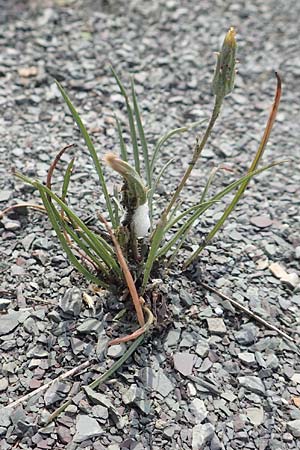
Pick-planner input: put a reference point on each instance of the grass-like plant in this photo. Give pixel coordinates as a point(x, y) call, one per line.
point(129, 241)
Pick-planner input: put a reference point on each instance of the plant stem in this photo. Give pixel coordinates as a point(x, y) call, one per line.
point(252, 168)
point(197, 151)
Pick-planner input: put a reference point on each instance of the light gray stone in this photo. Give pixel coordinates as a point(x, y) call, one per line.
point(294, 427)
point(255, 415)
point(216, 326)
point(86, 428)
point(198, 409)
point(253, 384)
point(201, 435)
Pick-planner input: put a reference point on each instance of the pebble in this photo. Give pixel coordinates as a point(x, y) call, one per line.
point(198, 409)
point(261, 221)
point(5, 195)
point(138, 397)
point(184, 362)
point(246, 335)
point(115, 351)
point(156, 380)
point(201, 435)
point(296, 378)
point(86, 428)
point(294, 427)
point(253, 384)
point(216, 326)
point(255, 415)
point(202, 349)
point(3, 384)
point(71, 302)
point(247, 358)
point(4, 303)
point(5, 417)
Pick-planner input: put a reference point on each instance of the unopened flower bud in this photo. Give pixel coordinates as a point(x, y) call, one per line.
point(224, 76)
point(135, 183)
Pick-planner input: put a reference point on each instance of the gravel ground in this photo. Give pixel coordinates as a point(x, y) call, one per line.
point(211, 378)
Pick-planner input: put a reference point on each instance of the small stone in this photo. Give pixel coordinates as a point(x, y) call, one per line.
point(277, 270)
point(261, 221)
point(246, 335)
point(138, 397)
point(5, 417)
point(64, 434)
point(202, 349)
point(90, 326)
point(216, 326)
point(247, 358)
point(255, 415)
point(294, 427)
point(100, 411)
point(172, 338)
point(156, 380)
point(86, 428)
point(9, 322)
point(291, 280)
point(272, 361)
point(198, 410)
point(201, 435)
point(253, 384)
point(3, 384)
point(4, 303)
point(297, 252)
point(296, 378)
point(12, 225)
point(184, 362)
point(115, 351)
point(71, 302)
point(5, 195)
point(97, 398)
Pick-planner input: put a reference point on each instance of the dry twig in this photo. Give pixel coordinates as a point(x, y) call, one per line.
point(248, 312)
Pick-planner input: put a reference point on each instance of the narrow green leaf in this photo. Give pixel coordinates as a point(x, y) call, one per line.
point(243, 184)
point(200, 209)
point(162, 140)
point(155, 243)
point(130, 116)
point(153, 189)
point(141, 135)
point(91, 149)
point(80, 243)
point(96, 242)
point(74, 261)
point(123, 148)
point(67, 177)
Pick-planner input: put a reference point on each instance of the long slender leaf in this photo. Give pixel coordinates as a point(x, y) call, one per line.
point(254, 164)
point(141, 135)
point(153, 189)
point(183, 230)
point(155, 243)
point(64, 225)
point(91, 149)
point(74, 261)
point(123, 148)
point(97, 243)
point(67, 178)
point(130, 116)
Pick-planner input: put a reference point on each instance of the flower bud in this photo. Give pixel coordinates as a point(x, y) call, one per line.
point(135, 183)
point(224, 76)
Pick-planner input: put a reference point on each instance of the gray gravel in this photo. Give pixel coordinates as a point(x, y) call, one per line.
point(212, 379)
